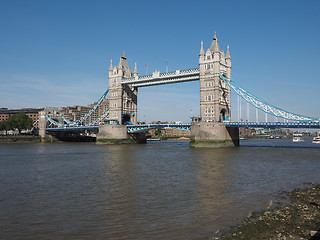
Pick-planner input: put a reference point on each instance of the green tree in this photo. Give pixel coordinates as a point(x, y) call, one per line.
point(157, 132)
point(4, 125)
point(20, 121)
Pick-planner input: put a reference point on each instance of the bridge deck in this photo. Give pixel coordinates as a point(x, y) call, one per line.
point(186, 126)
point(80, 128)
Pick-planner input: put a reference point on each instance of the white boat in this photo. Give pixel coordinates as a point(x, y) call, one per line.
point(316, 139)
point(297, 137)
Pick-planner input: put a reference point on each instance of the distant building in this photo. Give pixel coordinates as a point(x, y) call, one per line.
point(100, 110)
point(172, 132)
point(33, 113)
point(69, 113)
point(75, 112)
point(243, 131)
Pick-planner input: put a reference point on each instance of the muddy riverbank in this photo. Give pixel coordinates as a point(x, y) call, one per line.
point(294, 215)
point(20, 139)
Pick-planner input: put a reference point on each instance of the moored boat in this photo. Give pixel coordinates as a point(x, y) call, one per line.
point(316, 139)
point(297, 137)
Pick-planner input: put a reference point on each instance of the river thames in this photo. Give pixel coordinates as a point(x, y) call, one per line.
point(159, 190)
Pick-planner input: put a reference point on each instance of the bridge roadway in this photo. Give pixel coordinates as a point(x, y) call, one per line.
point(186, 127)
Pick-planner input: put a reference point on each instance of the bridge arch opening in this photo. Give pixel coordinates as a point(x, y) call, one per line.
point(223, 116)
point(126, 119)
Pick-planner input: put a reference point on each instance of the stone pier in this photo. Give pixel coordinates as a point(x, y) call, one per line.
point(213, 135)
point(117, 134)
point(42, 125)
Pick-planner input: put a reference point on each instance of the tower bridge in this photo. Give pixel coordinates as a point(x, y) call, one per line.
point(214, 127)
point(214, 92)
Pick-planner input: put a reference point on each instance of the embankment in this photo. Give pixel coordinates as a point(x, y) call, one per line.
point(19, 139)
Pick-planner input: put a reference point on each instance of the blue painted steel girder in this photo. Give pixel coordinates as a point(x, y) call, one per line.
point(274, 124)
point(79, 128)
point(140, 128)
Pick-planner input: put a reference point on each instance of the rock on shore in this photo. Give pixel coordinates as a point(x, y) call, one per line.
point(299, 219)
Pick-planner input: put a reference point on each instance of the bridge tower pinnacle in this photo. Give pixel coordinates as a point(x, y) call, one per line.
point(214, 93)
point(123, 98)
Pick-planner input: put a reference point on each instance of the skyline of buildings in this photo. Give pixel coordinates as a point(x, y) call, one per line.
point(70, 113)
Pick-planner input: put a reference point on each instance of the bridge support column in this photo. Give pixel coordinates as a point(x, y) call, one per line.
point(213, 135)
point(42, 125)
point(117, 134)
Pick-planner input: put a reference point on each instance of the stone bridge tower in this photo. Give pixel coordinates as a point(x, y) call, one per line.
point(123, 98)
point(214, 93)
point(122, 107)
point(215, 101)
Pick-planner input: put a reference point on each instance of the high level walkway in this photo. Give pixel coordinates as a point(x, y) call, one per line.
point(157, 78)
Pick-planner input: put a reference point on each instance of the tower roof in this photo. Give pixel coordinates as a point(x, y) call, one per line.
point(124, 64)
point(123, 56)
point(214, 45)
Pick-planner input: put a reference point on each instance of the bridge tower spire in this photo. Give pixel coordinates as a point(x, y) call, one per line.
point(135, 72)
point(201, 54)
point(111, 68)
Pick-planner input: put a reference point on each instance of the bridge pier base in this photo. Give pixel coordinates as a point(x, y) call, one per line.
point(213, 135)
point(117, 134)
point(42, 125)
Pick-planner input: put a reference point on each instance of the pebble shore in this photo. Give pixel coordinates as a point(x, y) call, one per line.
point(299, 219)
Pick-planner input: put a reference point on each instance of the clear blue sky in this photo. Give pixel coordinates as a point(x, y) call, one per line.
point(57, 53)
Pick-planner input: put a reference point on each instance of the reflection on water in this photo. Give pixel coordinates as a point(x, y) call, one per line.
point(160, 190)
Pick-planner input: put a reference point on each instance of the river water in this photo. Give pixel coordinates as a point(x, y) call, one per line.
point(159, 190)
